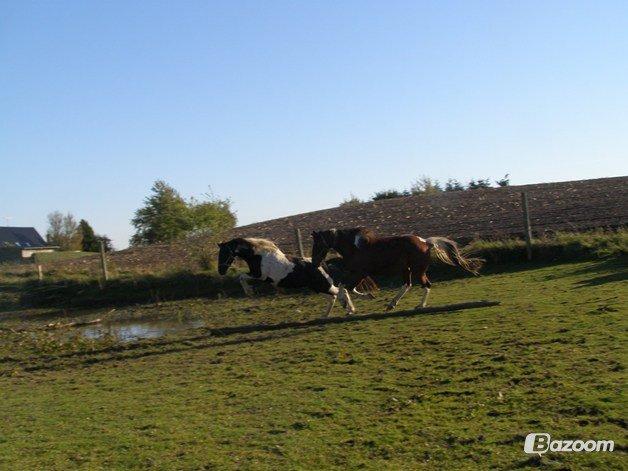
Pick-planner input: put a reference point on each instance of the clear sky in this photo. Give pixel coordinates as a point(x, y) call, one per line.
point(288, 107)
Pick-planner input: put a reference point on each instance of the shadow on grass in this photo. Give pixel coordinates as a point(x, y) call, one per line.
point(144, 349)
point(601, 280)
point(605, 271)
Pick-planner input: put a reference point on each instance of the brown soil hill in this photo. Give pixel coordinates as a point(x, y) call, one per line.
point(463, 215)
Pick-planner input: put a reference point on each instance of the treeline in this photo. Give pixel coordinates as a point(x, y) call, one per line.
point(64, 232)
point(427, 186)
point(165, 217)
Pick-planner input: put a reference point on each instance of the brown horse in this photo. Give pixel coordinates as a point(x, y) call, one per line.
point(365, 254)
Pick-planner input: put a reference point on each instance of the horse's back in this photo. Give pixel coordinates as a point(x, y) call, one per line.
point(404, 243)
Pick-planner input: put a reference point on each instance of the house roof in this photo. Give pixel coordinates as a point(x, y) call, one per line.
point(20, 237)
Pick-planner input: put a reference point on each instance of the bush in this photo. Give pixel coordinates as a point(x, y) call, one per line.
point(425, 186)
point(166, 216)
point(388, 194)
point(352, 200)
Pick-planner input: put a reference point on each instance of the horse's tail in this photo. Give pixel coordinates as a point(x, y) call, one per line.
point(447, 251)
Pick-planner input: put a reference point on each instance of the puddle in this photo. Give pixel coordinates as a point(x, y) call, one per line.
point(126, 331)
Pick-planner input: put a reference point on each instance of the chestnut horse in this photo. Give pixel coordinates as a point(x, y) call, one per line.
point(365, 254)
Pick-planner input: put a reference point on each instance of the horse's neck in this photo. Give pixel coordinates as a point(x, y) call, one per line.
point(249, 260)
point(350, 243)
point(346, 248)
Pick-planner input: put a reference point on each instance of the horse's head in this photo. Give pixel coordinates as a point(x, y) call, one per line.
point(323, 241)
point(226, 255)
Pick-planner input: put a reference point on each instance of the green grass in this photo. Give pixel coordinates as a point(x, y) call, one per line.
point(561, 246)
point(443, 391)
point(51, 257)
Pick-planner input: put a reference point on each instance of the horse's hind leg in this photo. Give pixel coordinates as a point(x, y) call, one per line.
point(407, 278)
point(426, 289)
point(369, 285)
point(360, 294)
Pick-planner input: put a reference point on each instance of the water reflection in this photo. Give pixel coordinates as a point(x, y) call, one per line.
point(127, 331)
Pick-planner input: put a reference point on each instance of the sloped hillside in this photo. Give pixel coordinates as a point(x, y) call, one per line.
point(464, 215)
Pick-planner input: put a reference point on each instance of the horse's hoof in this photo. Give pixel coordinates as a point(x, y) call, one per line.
point(389, 308)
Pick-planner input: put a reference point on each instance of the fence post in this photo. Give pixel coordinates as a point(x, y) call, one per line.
point(526, 223)
point(103, 261)
point(40, 272)
point(299, 241)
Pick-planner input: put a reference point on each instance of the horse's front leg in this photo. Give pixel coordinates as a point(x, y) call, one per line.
point(245, 286)
point(343, 295)
point(345, 299)
point(330, 304)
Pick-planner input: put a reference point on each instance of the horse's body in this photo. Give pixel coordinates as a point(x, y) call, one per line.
point(266, 262)
point(366, 254)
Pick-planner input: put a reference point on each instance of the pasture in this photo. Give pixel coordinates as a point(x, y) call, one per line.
point(453, 390)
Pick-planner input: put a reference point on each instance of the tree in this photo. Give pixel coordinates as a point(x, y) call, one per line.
point(107, 241)
point(387, 194)
point(352, 200)
point(63, 231)
point(454, 185)
point(505, 181)
point(425, 186)
point(480, 183)
point(167, 216)
point(89, 242)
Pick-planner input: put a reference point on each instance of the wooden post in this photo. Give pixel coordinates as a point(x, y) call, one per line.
point(103, 261)
point(526, 224)
point(299, 241)
point(40, 272)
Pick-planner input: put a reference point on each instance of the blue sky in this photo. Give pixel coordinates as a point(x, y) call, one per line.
point(288, 107)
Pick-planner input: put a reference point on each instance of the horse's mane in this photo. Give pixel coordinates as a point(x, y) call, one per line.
point(262, 245)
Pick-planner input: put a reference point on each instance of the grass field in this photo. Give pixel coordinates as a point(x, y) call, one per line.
point(442, 391)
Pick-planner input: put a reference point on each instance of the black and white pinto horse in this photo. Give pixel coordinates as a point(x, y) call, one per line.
point(266, 262)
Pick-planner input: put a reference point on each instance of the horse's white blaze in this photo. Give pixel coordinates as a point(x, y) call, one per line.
point(276, 266)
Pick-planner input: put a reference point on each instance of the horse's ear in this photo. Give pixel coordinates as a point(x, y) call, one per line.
point(314, 233)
